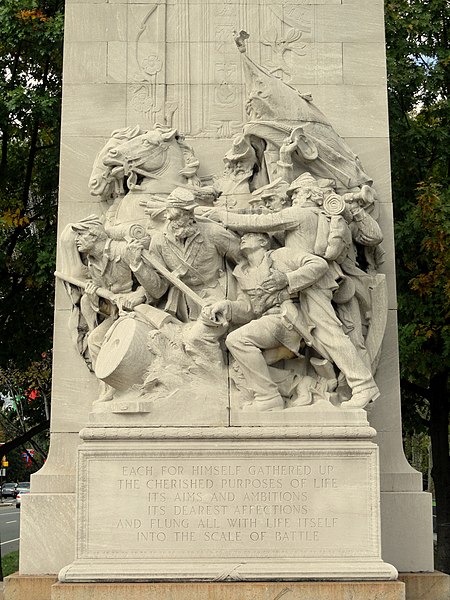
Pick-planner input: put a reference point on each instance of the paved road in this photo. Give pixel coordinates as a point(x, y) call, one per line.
point(9, 528)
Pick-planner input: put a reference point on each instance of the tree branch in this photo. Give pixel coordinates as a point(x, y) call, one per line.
point(21, 439)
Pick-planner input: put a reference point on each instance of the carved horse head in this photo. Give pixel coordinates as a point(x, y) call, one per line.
point(134, 165)
point(144, 158)
point(144, 155)
point(104, 181)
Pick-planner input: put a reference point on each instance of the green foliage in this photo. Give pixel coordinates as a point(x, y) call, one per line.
point(10, 563)
point(29, 405)
point(419, 82)
point(418, 85)
point(30, 96)
point(417, 451)
point(424, 299)
point(418, 62)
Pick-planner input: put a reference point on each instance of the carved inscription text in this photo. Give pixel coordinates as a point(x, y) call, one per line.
point(287, 506)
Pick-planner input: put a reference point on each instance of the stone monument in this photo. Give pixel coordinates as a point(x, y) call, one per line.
point(225, 336)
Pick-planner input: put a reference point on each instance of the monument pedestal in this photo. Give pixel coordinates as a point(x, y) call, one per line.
point(228, 504)
point(410, 586)
point(312, 590)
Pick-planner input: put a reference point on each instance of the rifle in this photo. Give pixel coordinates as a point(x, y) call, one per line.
point(173, 279)
point(102, 292)
point(150, 260)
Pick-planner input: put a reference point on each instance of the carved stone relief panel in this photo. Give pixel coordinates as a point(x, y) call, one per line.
point(146, 63)
point(287, 39)
point(187, 46)
point(252, 294)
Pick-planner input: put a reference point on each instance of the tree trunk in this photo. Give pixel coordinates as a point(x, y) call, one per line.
point(439, 422)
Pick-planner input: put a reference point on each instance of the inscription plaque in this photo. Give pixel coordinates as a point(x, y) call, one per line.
point(309, 505)
point(226, 509)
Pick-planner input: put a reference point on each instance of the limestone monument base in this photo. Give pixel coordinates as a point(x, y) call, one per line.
point(314, 590)
point(239, 504)
point(426, 586)
point(417, 586)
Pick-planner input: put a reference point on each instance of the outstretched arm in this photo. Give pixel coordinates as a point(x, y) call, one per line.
point(284, 220)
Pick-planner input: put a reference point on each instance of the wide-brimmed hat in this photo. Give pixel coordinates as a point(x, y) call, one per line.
point(240, 150)
point(86, 223)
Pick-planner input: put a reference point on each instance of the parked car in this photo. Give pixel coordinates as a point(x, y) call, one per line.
point(19, 497)
point(22, 486)
point(8, 489)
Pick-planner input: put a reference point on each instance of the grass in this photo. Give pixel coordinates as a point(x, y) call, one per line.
point(10, 563)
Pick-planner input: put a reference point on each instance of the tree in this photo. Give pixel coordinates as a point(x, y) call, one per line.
point(30, 98)
point(25, 413)
point(418, 84)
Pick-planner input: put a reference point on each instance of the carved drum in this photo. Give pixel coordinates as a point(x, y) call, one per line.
point(124, 355)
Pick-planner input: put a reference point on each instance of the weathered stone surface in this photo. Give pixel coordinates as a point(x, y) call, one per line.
point(76, 381)
point(95, 21)
point(133, 63)
point(408, 533)
point(230, 591)
point(353, 27)
point(49, 518)
point(19, 587)
point(364, 65)
point(83, 108)
point(86, 62)
point(426, 586)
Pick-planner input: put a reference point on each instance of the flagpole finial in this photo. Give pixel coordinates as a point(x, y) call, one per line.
point(239, 39)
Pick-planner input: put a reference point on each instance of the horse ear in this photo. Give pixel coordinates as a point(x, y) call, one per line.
point(127, 133)
point(169, 134)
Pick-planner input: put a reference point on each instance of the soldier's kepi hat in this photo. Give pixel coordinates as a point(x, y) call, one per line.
point(181, 198)
point(87, 223)
point(305, 180)
point(278, 187)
